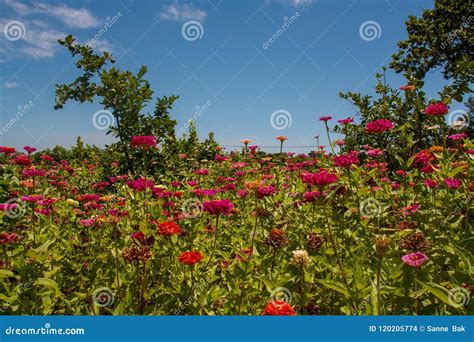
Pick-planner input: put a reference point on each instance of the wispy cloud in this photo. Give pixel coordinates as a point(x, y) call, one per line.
point(10, 85)
point(40, 37)
point(182, 13)
point(293, 3)
point(71, 17)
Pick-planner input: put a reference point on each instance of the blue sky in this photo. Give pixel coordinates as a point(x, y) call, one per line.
point(229, 76)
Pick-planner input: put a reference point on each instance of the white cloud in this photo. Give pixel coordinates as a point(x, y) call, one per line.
point(40, 38)
point(10, 85)
point(72, 17)
point(182, 13)
point(293, 3)
point(102, 45)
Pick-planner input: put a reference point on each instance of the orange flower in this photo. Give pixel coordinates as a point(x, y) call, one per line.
point(436, 149)
point(27, 183)
point(282, 138)
point(245, 141)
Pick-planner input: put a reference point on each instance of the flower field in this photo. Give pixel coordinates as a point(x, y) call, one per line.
point(245, 233)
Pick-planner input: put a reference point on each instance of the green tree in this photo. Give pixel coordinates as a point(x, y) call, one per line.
point(122, 93)
point(442, 38)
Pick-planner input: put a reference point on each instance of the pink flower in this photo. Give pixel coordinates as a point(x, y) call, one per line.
point(29, 149)
point(32, 172)
point(414, 259)
point(8, 206)
point(345, 160)
point(320, 178)
point(143, 141)
point(201, 172)
point(325, 118)
point(452, 183)
point(430, 183)
point(8, 238)
point(32, 198)
point(458, 136)
point(310, 196)
point(413, 208)
point(407, 87)
point(346, 121)
point(263, 191)
point(242, 193)
point(141, 184)
point(217, 207)
point(436, 109)
point(379, 126)
point(374, 153)
point(87, 222)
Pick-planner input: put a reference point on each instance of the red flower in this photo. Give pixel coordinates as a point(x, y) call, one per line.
point(263, 191)
point(8, 238)
point(325, 118)
point(407, 87)
point(144, 141)
point(320, 178)
point(279, 308)
point(7, 150)
point(436, 109)
point(169, 228)
point(379, 126)
point(190, 258)
point(346, 160)
point(346, 121)
point(217, 207)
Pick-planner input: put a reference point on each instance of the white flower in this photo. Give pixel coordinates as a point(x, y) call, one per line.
point(300, 257)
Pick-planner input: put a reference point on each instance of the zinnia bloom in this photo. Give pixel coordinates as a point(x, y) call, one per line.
point(379, 126)
point(407, 87)
point(452, 183)
point(325, 118)
point(263, 191)
point(436, 109)
point(217, 207)
point(190, 258)
point(320, 178)
point(144, 141)
point(169, 228)
point(279, 308)
point(281, 138)
point(346, 121)
point(29, 149)
point(414, 259)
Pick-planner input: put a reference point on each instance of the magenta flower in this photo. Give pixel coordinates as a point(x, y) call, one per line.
point(452, 183)
point(345, 160)
point(436, 109)
point(143, 141)
point(346, 121)
point(320, 178)
point(414, 259)
point(325, 118)
point(87, 222)
point(430, 183)
point(29, 149)
point(201, 172)
point(217, 207)
point(32, 198)
point(32, 172)
point(458, 136)
point(267, 190)
point(141, 184)
point(379, 126)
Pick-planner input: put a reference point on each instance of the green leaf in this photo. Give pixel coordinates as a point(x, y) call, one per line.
point(440, 293)
point(334, 285)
